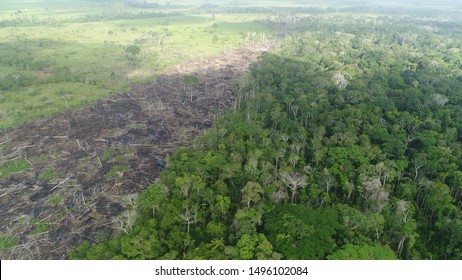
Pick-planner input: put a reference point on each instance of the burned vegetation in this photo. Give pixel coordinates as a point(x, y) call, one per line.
point(68, 178)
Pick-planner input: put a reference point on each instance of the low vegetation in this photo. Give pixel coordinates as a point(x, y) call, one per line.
point(72, 59)
point(13, 166)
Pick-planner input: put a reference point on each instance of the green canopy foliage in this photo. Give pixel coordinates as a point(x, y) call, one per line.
point(344, 145)
point(302, 233)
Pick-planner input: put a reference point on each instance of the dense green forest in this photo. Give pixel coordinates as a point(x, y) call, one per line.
point(343, 144)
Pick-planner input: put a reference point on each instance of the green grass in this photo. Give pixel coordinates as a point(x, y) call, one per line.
point(120, 158)
point(7, 242)
point(40, 226)
point(49, 174)
point(107, 154)
point(13, 166)
point(55, 199)
point(62, 55)
point(118, 168)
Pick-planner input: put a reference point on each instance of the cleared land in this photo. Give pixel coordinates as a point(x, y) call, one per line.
point(55, 56)
point(75, 150)
point(65, 178)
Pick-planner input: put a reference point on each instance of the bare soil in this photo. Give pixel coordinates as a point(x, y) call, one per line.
point(86, 164)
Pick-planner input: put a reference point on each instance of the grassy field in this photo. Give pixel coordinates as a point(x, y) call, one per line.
point(61, 54)
point(56, 55)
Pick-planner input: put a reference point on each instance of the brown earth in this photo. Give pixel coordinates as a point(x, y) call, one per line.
point(87, 164)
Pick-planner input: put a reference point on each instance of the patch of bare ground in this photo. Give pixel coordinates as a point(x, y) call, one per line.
point(86, 165)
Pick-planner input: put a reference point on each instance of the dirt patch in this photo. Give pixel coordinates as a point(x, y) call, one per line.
point(81, 166)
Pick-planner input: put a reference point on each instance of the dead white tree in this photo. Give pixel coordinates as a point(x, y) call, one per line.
point(440, 99)
point(340, 81)
point(131, 201)
point(189, 216)
point(280, 195)
point(294, 182)
point(375, 194)
point(418, 164)
point(402, 211)
point(125, 221)
point(328, 181)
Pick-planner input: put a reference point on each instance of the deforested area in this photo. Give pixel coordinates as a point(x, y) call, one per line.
point(231, 130)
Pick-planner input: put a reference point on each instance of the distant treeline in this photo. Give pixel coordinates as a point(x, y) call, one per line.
point(398, 10)
point(33, 21)
point(364, 8)
point(129, 3)
point(211, 8)
point(140, 4)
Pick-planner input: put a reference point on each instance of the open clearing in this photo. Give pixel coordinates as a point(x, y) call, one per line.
point(72, 173)
point(60, 55)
